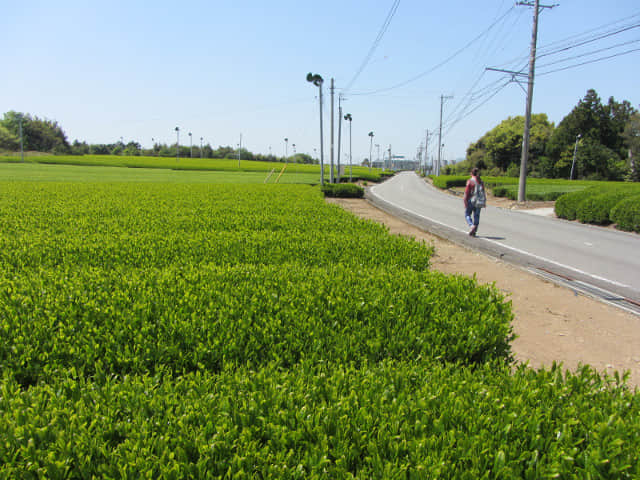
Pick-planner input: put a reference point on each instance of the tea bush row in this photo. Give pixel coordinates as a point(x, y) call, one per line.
point(343, 190)
point(317, 420)
point(122, 321)
point(595, 204)
point(155, 225)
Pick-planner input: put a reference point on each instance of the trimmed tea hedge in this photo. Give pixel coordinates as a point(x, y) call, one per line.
point(626, 214)
point(225, 331)
point(317, 420)
point(342, 190)
point(596, 204)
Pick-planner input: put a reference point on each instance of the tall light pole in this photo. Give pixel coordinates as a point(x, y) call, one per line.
point(349, 119)
point(370, 149)
point(239, 150)
point(286, 150)
point(201, 156)
point(190, 145)
point(317, 81)
point(575, 151)
point(332, 91)
point(177, 144)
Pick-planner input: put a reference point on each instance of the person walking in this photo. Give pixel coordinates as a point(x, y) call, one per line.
point(474, 200)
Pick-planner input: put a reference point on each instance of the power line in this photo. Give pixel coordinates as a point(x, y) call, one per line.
point(587, 32)
point(375, 44)
point(591, 40)
point(591, 61)
point(444, 62)
point(593, 52)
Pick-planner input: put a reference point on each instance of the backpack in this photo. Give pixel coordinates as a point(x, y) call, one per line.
point(479, 197)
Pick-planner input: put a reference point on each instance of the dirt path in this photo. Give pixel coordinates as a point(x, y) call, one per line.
point(553, 323)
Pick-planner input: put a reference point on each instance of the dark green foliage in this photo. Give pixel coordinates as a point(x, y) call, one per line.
point(626, 214)
point(38, 134)
point(567, 205)
point(596, 209)
point(342, 190)
point(449, 181)
point(595, 204)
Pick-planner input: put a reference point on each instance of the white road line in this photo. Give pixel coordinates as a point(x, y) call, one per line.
point(523, 252)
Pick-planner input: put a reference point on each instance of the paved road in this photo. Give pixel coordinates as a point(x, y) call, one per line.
point(587, 256)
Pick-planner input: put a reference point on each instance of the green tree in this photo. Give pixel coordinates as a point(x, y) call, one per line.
point(631, 136)
point(601, 147)
point(500, 149)
point(8, 141)
point(38, 134)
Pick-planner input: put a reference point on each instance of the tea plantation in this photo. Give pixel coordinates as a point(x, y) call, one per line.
point(176, 330)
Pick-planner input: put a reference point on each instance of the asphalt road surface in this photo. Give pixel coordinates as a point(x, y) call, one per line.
point(599, 261)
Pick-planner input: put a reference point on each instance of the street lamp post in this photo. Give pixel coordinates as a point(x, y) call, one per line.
point(317, 81)
point(349, 119)
point(177, 144)
point(575, 151)
point(190, 145)
point(201, 156)
point(286, 150)
point(370, 149)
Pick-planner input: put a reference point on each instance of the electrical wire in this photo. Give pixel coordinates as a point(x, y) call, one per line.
point(375, 44)
point(444, 62)
point(591, 40)
point(590, 53)
point(589, 62)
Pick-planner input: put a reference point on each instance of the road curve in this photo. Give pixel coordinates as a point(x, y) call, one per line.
point(600, 261)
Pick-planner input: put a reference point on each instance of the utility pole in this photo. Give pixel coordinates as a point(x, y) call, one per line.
point(522, 185)
point(339, 131)
point(239, 149)
point(332, 180)
point(442, 99)
point(426, 151)
point(21, 141)
point(390, 162)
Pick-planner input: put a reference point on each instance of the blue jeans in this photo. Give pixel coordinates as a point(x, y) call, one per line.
point(469, 211)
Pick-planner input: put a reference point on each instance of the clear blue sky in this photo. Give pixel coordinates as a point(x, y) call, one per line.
point(136, 70)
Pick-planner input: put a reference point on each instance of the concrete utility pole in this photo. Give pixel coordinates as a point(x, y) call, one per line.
point(390, 161)
point(442, 99)
point(21, 141)
point(522, 185)
point(331, 177)
point(239, 149)
point(426, 151)
point(339, 131)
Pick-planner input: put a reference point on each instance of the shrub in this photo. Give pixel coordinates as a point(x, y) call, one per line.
point(596, 209)
point(626, 214)
point(343, 190)
point(567, 205)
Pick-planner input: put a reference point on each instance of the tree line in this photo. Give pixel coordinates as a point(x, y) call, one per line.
point(604, 140)
point(42, 135)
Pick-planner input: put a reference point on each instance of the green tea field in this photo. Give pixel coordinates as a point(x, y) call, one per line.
point(163, 324)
